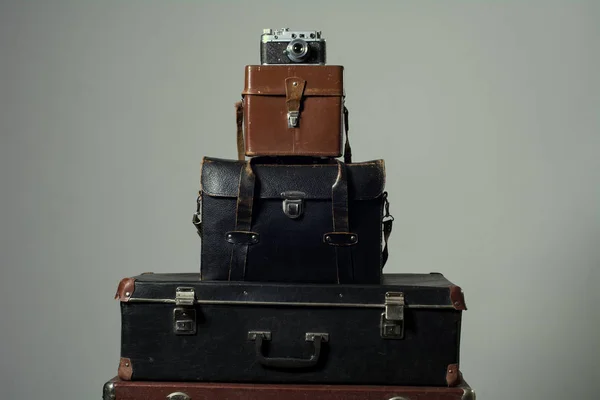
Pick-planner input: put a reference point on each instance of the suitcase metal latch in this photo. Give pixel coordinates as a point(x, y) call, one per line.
point(292, 118)
point(293, 204)
point(392, 319)
point(184, 316)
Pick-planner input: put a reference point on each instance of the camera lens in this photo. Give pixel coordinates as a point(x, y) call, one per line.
point(297, 50)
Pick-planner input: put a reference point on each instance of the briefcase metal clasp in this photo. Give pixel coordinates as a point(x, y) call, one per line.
point(392, 319)
point(293, 204)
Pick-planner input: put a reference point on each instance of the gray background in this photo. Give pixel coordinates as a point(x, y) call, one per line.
point(487, 114)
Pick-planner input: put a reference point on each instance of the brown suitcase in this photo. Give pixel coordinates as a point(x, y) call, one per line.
point(293, 110)
point(116, 389)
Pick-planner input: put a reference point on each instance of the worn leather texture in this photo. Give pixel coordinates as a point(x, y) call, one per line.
point(291, 249)
point(121, 390)
point(355, 352)
point(266, 103)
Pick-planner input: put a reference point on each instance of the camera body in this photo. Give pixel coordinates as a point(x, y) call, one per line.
point(282, 46)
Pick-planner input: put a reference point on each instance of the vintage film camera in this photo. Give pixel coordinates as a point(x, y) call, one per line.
point(282, 46)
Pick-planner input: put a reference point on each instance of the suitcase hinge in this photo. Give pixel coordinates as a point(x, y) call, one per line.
point(392, 319)
point(184, 315)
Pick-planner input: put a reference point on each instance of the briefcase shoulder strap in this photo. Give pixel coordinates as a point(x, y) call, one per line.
point(242, 237)
point(341, 237)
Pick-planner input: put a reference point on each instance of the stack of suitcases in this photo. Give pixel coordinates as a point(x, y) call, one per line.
point(291, 301)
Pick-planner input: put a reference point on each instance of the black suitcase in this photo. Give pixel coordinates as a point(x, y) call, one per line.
point(403, 332)
point(298, 221)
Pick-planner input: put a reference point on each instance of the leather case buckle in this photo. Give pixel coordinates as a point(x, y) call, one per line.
point(294, 90)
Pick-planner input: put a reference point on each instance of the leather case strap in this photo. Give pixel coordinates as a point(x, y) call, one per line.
point(243, 223)
point(239, 120)
point(347, 149)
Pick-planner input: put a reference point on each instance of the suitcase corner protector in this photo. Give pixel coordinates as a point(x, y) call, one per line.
point(108, 390)
point(453, 375)
point(125, 371)
point(125, 289)
point(468, 394)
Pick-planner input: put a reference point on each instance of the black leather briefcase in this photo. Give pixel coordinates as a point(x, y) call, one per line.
point(405, 331)
point(293, 221)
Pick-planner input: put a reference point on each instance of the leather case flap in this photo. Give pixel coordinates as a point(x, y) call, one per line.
point(220, 178)
point(269, 80)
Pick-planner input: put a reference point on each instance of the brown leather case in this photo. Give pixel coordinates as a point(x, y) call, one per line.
point(293, 110)
point(116, 389)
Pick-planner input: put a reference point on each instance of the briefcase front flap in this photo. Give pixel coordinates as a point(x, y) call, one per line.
point(316, 80)
point(220, 178)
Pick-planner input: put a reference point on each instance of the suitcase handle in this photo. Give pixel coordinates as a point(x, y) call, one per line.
point(288, 362)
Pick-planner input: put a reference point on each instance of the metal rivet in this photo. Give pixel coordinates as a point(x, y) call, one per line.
point(352, 237)
point(245, 293)
point(230, 236)
point(127, 364)
point(328, 238)
point(457, 303)
point(450, 371)
point(254, 237)
point(127, 294)
point(341, 295)
point(295, 83)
